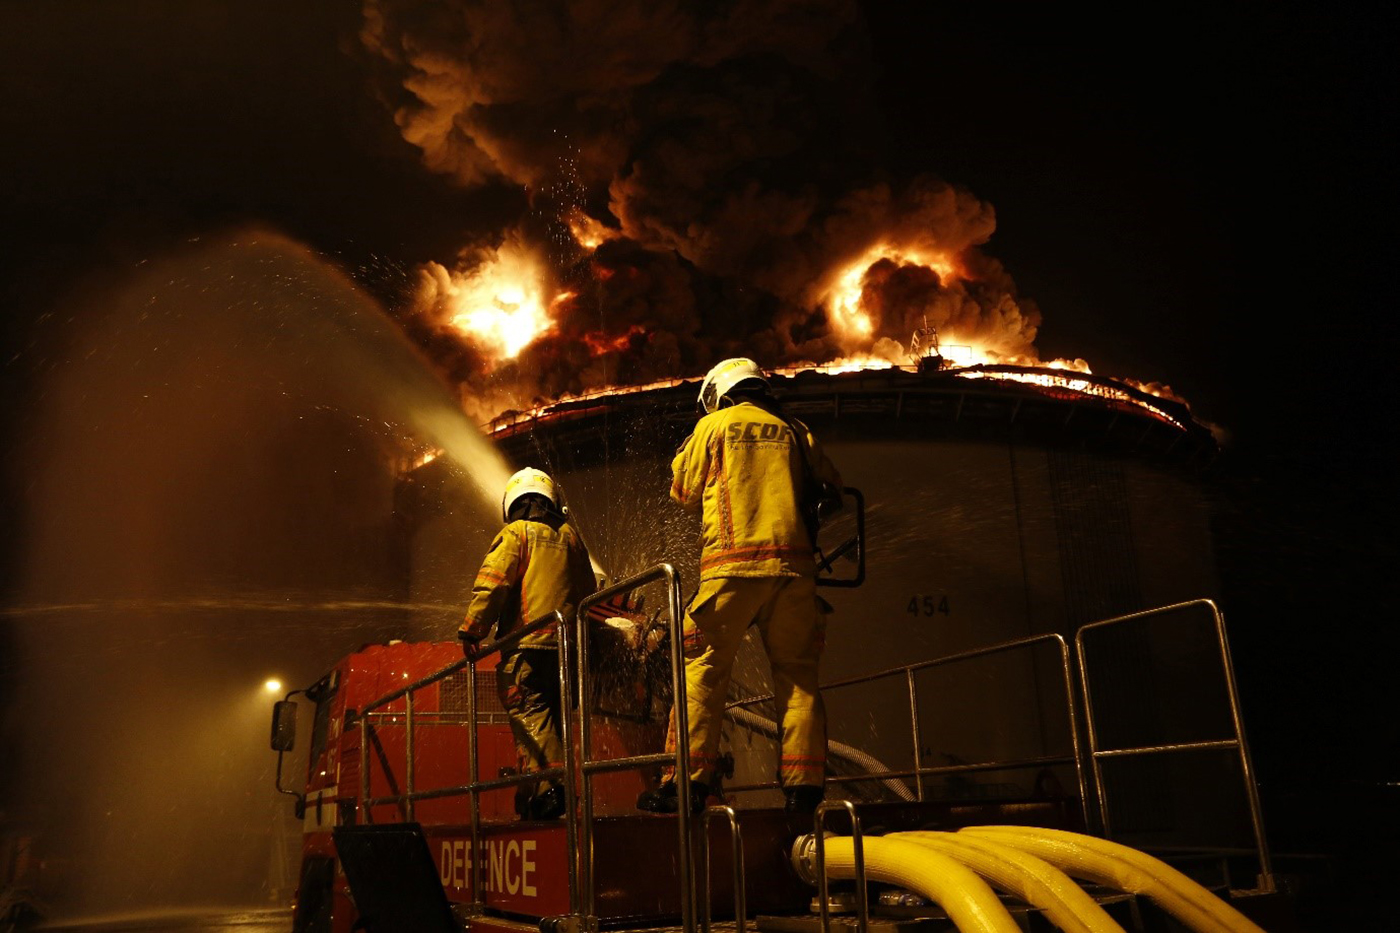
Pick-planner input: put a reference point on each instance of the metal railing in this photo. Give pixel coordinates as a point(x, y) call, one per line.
point(573, 668)
point(736, 843)
point(919, 771)
point(475, 786)
point(579, 808)
point(679, 759)
point(857, 857)
point(564, 774)
point(1097, 754)
point(366, 719)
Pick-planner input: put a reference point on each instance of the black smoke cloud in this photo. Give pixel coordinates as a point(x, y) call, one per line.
point(727, 147)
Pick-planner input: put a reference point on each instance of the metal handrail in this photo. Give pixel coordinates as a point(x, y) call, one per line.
point(1016, 763)
point(366, 715)
point(737, 857)
point(919, 771)
point(858, 856)
point(474, 788)
point(680, 759)
point(856, 542)
point(1266, 874)
point(566, 659)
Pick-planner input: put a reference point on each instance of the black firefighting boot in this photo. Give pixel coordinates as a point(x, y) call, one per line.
point(548, 804)
point(666, 799)
point(802, 799)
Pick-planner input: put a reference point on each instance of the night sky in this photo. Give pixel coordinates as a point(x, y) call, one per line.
point(1200, 195)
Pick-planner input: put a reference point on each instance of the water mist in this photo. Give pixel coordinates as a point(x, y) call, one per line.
point(211, 494)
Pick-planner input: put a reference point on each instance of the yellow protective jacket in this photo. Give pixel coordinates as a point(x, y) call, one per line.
point(742, 468)
point(532, 568)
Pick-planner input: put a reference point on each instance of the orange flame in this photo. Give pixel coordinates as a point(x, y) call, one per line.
point(600, 343)
point(845, 298)
point(1055, 375)
point(500, 304)
point(587, 232)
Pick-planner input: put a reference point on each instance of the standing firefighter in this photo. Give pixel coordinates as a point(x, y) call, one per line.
point(537, 564)
point(758, 478)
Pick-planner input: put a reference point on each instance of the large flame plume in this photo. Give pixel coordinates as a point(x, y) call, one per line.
point(849, 312)
point(699, 186)
point(498, 300)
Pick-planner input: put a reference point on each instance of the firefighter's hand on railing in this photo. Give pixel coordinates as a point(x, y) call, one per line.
point(653, 636)
point(471, 644)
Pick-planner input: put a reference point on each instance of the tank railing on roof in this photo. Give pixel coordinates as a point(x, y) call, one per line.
point(1051, 378)
point(1097, 754)
point(920, 771)
point(679, 759)
point(474, 789)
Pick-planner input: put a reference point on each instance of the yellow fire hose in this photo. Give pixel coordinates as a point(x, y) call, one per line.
point(968, 901)
point(1035, 881)
point(1124, 869)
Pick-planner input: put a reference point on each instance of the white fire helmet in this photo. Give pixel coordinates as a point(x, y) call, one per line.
point(526, 481)
point(724, 376)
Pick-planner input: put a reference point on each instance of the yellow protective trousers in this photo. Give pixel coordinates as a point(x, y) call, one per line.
point(527, 681)
point(793, 628)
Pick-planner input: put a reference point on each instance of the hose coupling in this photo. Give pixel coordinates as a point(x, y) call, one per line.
point(804, 857)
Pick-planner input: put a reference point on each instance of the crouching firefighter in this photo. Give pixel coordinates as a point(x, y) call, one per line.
point(536, 564)
point(758, 478)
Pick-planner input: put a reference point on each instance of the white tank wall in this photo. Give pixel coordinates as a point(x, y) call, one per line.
point(990, 541)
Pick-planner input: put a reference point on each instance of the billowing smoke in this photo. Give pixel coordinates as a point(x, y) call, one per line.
point(701, 184)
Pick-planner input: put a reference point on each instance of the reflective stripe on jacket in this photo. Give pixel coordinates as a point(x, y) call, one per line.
point(532, 568)
point(742, 468)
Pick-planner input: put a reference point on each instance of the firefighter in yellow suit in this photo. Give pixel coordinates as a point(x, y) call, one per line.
point(536, 564)
point(756, 476)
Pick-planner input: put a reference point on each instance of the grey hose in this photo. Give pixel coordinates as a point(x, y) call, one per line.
point(853, 756)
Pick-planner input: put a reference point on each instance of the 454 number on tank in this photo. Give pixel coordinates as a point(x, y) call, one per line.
point(927, 605)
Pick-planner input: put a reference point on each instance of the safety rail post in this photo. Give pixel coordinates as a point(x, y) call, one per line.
point(1096, 754)
point(474, 797)
point(565, 774)
point(366, 814)
point(858, 856)
point(914, 731)
point(680, 759)
point(568, 657)
point(1067, 675)
point(737, 844)
point(408, 752)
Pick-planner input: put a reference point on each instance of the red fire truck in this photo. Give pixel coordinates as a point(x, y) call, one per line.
point(410, 824)
point(392, 745)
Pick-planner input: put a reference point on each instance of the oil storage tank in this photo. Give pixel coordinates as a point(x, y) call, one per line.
point(1000, 503)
